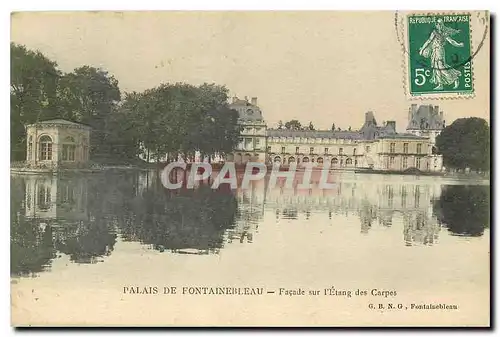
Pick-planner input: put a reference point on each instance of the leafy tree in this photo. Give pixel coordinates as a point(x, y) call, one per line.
point(89, 95)
point(333, 126)
point(171, 118)
point(33, 93)
point(280, 125)
point(182, 119)
point(123, 130)
point(466, 144)
point(311, 126)
point(293, 125)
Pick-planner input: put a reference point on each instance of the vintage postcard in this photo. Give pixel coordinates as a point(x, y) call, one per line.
point(250, 169)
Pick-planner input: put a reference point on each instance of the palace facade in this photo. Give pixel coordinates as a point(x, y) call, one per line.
point(374, 146)
point(253, 142)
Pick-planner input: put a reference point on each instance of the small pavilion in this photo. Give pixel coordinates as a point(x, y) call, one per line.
point(57, 143)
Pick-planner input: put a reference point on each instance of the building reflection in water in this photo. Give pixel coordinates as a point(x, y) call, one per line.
point(375, 202)
point(250, 214)
point(51, 216)
point(82, 216)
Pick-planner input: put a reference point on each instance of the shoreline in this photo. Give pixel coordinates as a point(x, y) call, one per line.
point(241, 168)
point(35, 171)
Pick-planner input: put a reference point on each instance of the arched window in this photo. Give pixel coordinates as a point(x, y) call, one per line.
point(45, 148)
point(348, 161)
point(335, 161)
point(305, 160)
point(291, 160)
point(238, 158)
point(248, 157)
point(320, 160)
point(30, 147)
point(68, 149)
point(277, 159)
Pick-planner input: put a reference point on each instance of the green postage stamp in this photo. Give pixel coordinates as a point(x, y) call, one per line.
point(439, 54)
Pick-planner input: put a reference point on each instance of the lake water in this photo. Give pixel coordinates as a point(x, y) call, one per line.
point(82, 245)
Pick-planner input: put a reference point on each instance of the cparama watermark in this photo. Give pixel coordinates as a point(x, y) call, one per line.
point(253, 171)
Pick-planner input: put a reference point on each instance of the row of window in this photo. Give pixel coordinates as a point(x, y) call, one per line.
point(334, 161)
point(311, 150)
point(45, 148)
point(248, 142)
point(310, 140)
point(404, 162)
point(68, 152)
point(392, 148)
point(256, 129)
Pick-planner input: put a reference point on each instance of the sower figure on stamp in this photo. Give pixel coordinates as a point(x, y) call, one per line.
point(433, 48)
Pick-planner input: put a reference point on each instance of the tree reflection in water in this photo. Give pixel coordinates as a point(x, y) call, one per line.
point(183, 221)
point(31, 247)
point(82, 216)
point(464, 209)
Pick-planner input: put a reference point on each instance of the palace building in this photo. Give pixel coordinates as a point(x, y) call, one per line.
point(427, 121)
point(374, 146)
point(253, 145)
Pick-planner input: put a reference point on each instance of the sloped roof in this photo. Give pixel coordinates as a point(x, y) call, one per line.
point(426, 117)
point(314, 134)
point(249, 113)
point(61, 121)
point(401, 136)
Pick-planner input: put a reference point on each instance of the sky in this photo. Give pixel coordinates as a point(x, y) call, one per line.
point(320, 66)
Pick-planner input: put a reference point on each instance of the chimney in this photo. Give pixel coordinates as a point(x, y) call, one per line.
point(391, 125)
point(254, 100)
point(370, 118)
point(411, 111)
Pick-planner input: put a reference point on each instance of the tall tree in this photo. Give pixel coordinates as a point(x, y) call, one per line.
point(89, 95)
point(466, 144)
point(311, 126)
point(33, 93)
point(124, 129)
point(182, 119)
point(333, 126)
